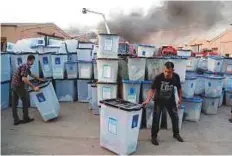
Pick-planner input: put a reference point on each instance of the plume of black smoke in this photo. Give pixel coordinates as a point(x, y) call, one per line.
point(173, 17)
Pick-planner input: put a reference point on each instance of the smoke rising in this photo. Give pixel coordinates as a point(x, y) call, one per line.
point(176, 19)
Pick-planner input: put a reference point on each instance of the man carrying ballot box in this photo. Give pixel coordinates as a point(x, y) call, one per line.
point(19, 80)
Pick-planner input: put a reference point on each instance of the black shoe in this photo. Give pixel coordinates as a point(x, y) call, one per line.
point(154, 141)
point(178, 137)
point(17, 122)
point(230, 120)
point(28, 120)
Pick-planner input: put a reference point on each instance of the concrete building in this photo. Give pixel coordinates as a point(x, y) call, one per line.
point(218, 38)
point(220, 41)
point(17, 31)
point(223, 42)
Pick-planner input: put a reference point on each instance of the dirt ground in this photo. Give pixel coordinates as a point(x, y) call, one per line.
point(76, 131)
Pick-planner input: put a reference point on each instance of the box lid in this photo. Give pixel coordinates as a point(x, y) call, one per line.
point(121, 104)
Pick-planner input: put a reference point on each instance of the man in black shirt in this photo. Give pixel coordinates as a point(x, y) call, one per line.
point(163, 88)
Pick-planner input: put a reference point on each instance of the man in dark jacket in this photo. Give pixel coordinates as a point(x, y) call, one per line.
point(163, 88)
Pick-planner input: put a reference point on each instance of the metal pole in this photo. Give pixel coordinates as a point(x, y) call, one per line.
point(106, 25)
point(98, 13)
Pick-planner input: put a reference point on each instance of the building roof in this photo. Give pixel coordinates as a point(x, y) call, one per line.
point(36, 24)
point(210, 35)
point(82, 38)
point(214, 32)
point(189, 36)
point(23, 24)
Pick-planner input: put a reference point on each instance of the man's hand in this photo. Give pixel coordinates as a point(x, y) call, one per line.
point(149, 97)
point(145, 102)
point(180, 101)
point(41, 80)
point(36, 89)
point(36, 77)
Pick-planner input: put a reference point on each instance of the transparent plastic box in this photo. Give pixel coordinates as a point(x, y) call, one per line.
point(119, 126)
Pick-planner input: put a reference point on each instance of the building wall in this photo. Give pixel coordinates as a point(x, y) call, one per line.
point(195, 48)
point(14, 33)
point(200, 45)
point(11, 32)
point(223, 43)
point(31, 31)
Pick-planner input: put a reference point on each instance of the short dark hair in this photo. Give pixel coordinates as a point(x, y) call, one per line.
point(169, 65)
point(30, 58)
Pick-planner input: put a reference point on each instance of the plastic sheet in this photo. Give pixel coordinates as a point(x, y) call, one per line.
point(136, 68)
point(154, 67)
point(65, 90)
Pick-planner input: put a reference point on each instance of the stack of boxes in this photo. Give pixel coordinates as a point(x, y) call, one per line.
point(137, 75)
point(5, 79)
point(107, 67)
point(11, 61)
point(74, 67)
point(64, 73)
point(213, 85)
point(227, 69)
point(85, 69)
point(204, 79)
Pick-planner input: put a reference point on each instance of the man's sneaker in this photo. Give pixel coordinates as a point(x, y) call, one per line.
point(230, 120)
point(178, 137)
point(154, 141)
point(28, 120)
point(17, 122)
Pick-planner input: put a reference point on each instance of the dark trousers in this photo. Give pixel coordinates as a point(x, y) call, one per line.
point(172, 111)
point(16, 93)
point(164, 123)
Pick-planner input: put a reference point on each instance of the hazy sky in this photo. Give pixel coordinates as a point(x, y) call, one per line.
point(66, 13)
